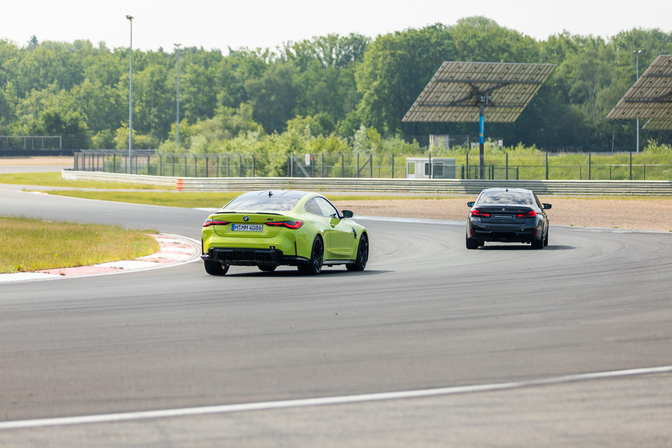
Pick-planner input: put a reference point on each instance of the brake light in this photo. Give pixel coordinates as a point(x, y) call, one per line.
point(530, 214)
point(214, 222)
point(480, 213)
point(288, 224)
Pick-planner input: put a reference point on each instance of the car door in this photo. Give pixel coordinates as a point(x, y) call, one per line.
point(339, 239)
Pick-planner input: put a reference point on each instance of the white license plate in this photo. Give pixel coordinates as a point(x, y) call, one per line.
point(502, 216)
point(247, 227)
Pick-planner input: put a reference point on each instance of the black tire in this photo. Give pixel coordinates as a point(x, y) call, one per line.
point(314, 266)
point(546, 239)
point(215, 268)
point(537, 244)
point(362, 255)
point(267, 268)
point(472, 243)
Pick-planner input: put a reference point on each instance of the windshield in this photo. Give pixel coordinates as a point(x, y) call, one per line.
point(506, 197)
point(282, 201)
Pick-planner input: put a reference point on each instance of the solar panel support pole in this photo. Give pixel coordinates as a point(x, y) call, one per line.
point(481, 138)
point(637, 58)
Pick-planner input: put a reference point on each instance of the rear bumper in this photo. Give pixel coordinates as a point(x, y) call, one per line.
point(242, 256)
point(504, 233)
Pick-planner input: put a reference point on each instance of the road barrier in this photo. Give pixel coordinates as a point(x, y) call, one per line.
point(436, 186)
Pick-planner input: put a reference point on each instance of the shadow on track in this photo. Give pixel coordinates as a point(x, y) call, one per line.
point(526, 247)
point(296, 273)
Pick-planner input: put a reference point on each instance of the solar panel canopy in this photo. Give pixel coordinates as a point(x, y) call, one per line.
point(650, 96)
point(456, 90)
point(656, 124)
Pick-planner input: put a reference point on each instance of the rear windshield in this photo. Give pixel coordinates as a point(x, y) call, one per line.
point(276, 201)
point(506, 197)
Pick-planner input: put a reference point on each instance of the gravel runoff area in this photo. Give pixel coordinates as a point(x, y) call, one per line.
point(633, 214)
point(49, 160)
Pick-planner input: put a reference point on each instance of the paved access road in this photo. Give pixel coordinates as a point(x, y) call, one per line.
point(425, 314)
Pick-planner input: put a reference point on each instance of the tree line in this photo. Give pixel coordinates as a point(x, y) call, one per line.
point(330, 87)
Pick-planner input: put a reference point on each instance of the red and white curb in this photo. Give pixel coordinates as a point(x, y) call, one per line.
point(175, 249)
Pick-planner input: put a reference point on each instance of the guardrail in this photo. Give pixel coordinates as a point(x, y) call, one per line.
point(458, 186)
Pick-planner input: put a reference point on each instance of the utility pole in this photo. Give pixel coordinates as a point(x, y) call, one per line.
point(130, 104)
point(177, 126)
point(637, 57)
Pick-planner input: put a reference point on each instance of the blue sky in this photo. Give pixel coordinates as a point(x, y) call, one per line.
point(263, 23)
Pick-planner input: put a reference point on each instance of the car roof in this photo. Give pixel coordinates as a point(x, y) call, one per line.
point(515, 190)
point(293, 194)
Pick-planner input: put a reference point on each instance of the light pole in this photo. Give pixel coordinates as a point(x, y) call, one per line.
point(177, 127)
point(637, 56)
point(130, 105)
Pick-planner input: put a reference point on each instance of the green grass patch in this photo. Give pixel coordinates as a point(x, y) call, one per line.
point(33, 244)
point(56, 180)
point(199, 200)
point(169, 199)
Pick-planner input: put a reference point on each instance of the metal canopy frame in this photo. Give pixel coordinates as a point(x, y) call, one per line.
point(649, 97)
point(476, 91)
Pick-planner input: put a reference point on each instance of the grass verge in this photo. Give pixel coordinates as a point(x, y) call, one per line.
point(198, 200)
point(33, 244)
point(56, 180)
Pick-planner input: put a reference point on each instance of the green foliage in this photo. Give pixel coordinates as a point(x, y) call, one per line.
point(654, 148)
point(315, 88)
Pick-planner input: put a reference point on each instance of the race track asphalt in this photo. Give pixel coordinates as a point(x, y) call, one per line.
point(426, 313)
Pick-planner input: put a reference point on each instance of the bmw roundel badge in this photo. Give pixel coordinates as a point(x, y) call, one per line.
point(246, 218)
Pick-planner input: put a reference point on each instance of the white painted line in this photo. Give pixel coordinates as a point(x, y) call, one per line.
point(224, 409)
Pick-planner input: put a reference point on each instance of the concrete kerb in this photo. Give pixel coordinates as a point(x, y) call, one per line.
point(175, 250)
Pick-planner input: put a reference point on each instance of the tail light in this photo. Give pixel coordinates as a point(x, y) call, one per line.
point(214, 222)
point(480, 213)
point(288, 224)
point(530, 214)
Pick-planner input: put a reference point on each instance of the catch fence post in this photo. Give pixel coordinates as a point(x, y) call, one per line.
point(546, 165)
point(392, 165)
point(507, 166)
point(467, 165)
point(322, 163)
point(590, 167)
point(630, 178)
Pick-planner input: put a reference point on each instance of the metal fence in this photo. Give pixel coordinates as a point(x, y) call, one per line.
point(338, 165)
point(30, 142)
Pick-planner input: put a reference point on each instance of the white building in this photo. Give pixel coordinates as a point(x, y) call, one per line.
point(419, 168)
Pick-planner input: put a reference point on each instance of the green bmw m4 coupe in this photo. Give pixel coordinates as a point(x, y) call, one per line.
point(282, 227)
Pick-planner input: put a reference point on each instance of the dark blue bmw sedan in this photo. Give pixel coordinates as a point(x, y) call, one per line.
point(507, 215)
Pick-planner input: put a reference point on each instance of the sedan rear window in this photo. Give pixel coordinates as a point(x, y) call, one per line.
point(276, 201)
point(506, 197)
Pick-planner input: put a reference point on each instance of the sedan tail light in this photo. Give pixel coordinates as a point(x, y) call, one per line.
point(530, 214)
point(214, 222)
point(480, 213)
point(288, 224)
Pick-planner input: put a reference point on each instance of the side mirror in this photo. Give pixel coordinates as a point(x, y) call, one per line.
point(546, 206)
point(470, 204)
point(347, 214)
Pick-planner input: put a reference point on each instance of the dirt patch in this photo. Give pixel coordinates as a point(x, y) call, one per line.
point(636, 214)
point(52, 160)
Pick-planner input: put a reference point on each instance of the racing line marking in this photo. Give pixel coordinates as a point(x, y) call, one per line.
point(285, 404)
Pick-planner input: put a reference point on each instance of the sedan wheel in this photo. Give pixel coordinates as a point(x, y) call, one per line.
point(362, 255)
point(267, 268)
point(314, 267)
point(215, 268)
point(472, 244)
